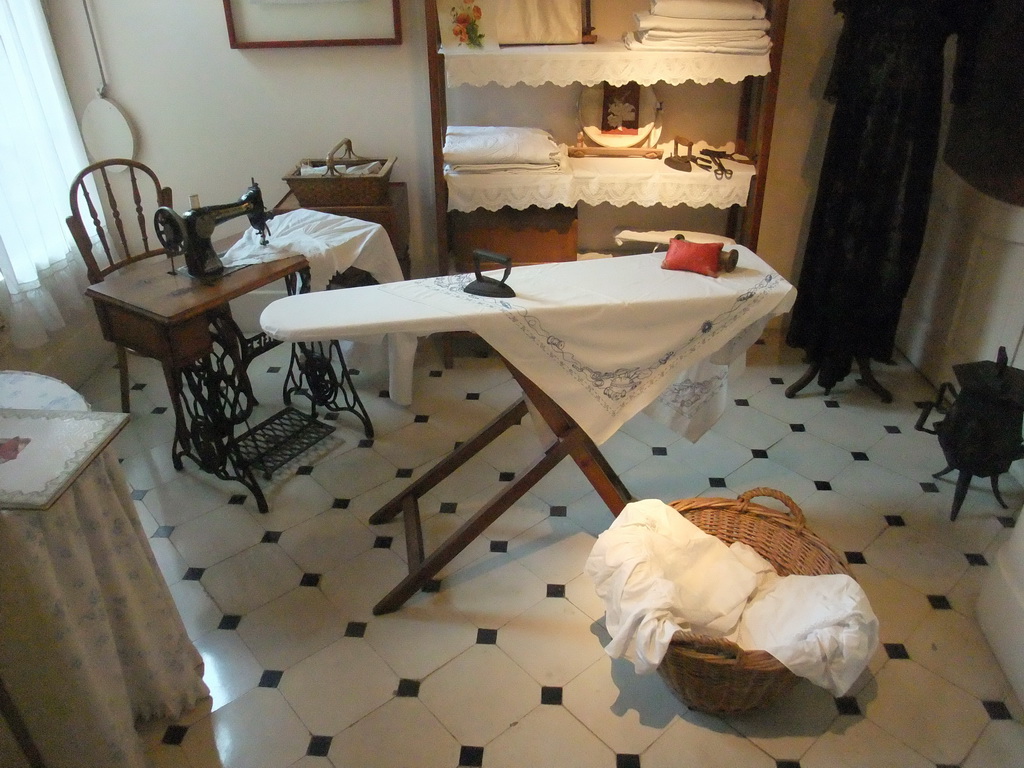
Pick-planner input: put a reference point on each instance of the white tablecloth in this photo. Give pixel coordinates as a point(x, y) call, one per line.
point(332, 244)
point(605, 338)
point(36, 392)
point(90, 637)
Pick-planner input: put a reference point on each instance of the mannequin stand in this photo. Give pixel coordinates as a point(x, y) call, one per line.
point(867, 378)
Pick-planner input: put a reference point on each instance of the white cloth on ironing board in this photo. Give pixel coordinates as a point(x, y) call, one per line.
point(604, 338)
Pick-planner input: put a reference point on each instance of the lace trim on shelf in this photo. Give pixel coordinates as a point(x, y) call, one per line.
point(565, 65)
point(467, 192)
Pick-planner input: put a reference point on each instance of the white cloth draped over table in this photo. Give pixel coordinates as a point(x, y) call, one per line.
point(332, 244)
point(603, 338)
point(91, 638)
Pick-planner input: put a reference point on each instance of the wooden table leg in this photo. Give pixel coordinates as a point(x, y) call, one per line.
point(570, 440)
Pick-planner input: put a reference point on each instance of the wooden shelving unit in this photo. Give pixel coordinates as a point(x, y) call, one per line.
point(595, 180)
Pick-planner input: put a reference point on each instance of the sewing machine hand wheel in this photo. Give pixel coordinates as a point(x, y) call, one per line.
point(170, 229)
point(488, 286)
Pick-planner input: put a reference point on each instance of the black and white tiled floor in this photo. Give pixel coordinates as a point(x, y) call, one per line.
point(504, 665)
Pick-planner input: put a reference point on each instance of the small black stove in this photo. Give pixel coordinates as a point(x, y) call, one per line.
point(981, 433)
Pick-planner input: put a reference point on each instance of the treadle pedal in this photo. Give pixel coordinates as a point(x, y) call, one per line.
point(273, 443)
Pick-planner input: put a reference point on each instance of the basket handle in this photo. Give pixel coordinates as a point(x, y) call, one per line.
point(791, 505)
point(349, 155)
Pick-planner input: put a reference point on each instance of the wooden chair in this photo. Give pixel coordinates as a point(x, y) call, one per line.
point(112, 207)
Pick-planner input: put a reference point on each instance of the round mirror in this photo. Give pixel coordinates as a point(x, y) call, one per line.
point(593, 120)
point(106, 131)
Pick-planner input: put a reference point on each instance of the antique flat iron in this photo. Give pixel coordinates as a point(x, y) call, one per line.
point(489, 286)
point(190, 232)
point(677, 161)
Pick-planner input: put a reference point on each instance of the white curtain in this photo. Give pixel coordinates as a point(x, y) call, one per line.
point(41, 151)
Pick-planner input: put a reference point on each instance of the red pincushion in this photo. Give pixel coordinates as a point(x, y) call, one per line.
point(701, 258)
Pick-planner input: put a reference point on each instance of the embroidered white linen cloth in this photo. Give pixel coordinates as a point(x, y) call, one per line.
point(91, 640)
point(603, 338)
point(331, 244)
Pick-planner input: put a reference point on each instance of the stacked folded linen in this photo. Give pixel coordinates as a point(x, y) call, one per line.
point(703, 26)
point(487, 149)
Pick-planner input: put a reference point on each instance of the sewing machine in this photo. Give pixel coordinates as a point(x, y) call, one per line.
point(190, 233)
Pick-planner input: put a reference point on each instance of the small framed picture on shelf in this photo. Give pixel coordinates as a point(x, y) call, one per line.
point(469, 25)
point(312, 23)
point(620, 113)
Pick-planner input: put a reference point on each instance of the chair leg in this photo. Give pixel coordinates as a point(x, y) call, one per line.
point(122, 374)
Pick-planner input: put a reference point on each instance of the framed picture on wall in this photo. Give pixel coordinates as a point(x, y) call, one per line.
point(311, 23)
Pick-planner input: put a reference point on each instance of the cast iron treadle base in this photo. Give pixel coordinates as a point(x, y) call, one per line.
point(273, 443)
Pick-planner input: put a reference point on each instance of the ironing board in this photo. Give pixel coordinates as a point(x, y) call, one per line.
point(591, 344)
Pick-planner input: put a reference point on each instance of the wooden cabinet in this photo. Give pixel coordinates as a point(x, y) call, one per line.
point(471, 209)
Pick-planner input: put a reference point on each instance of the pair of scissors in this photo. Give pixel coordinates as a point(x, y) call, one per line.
point(715, 157)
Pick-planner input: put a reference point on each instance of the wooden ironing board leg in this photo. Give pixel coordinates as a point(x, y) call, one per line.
point(570, 440)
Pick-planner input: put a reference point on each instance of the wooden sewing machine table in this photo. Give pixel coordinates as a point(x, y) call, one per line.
point(187, 325)
point(591, 343)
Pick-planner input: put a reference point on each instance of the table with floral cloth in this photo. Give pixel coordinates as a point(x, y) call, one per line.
point(90, 638)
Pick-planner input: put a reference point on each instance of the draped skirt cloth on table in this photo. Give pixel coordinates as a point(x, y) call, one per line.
point(91, 638)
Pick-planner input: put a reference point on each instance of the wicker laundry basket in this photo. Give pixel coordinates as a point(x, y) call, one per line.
point(716, 675)
point(335, 188)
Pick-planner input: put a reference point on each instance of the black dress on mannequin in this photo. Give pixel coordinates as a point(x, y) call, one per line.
point(871, 209)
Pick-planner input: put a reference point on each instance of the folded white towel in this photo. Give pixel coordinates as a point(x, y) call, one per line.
point(634, 42)
point(472, 144)
point(708, 9)
point(747, 38)
point(646, 21)
point(503, 168)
